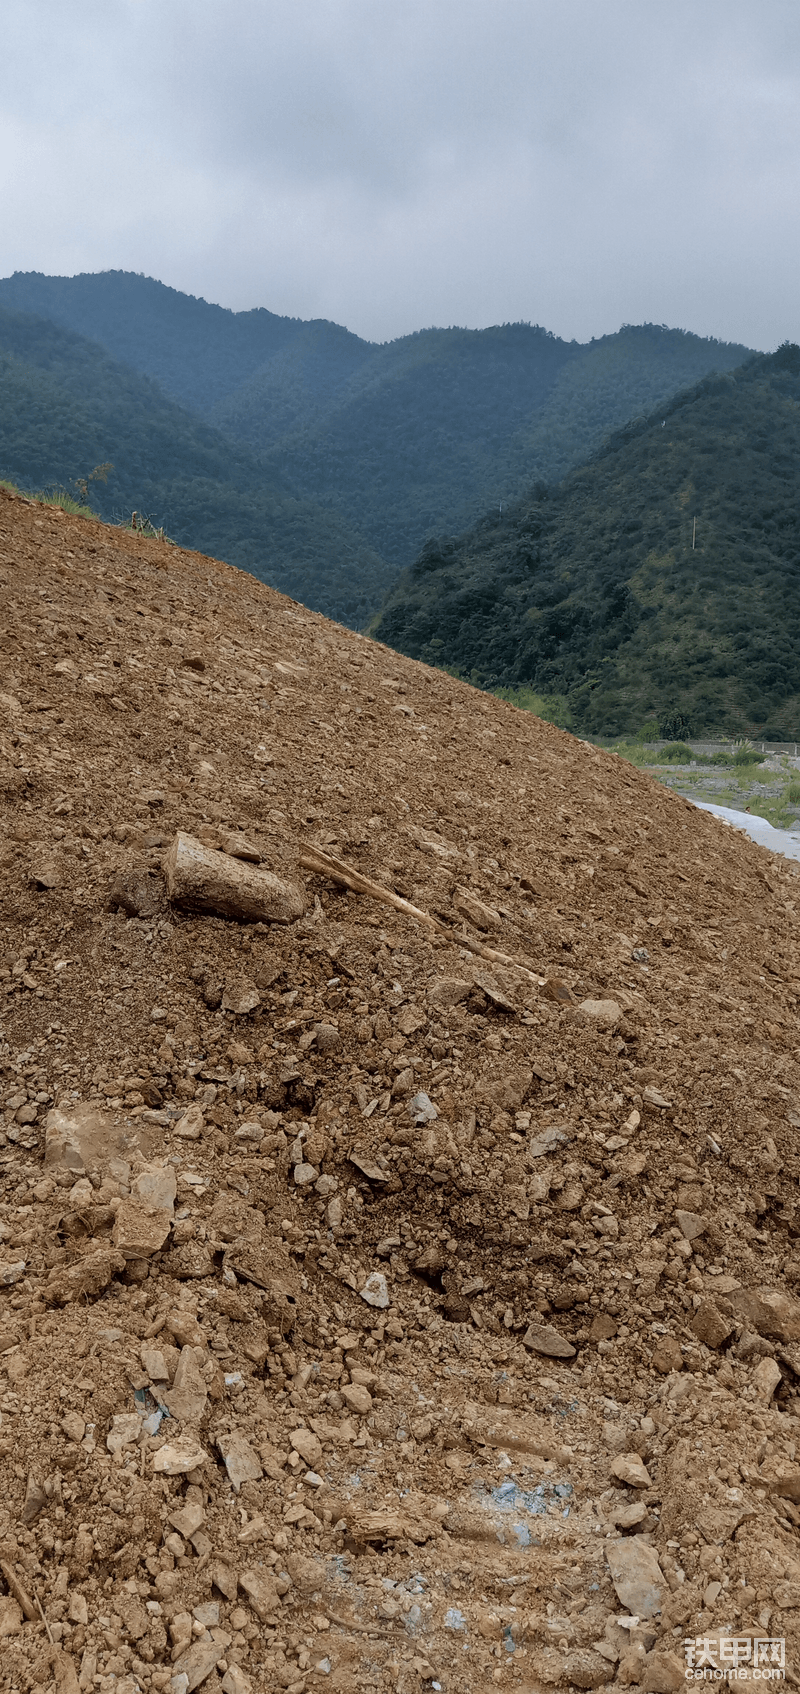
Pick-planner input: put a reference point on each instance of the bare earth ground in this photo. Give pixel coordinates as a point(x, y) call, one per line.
point(210, 1165)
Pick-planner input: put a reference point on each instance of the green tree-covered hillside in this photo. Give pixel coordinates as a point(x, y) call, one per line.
point(592, 589)
point(65, 406)
point(402, 440)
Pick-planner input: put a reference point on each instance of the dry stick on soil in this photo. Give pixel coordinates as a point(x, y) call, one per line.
point(40, 1609)
point(17, 1591)
point(313, 859)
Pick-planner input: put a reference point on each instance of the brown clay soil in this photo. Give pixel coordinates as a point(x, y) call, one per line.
point(223, 1466)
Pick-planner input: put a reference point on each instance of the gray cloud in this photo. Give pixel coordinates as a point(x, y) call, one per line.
point(579, 163)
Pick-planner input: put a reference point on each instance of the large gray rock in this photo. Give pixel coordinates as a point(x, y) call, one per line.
point(208, 881)
point(636, 1575)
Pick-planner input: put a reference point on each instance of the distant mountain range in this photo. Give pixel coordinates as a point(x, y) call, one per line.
point(660, 580)
point(66, 406)
point(317, 460)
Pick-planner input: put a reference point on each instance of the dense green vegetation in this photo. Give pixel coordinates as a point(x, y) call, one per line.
point(592, 591)
point(198, 353)
point(441, 425)
point(66, 407)
point(412, 438)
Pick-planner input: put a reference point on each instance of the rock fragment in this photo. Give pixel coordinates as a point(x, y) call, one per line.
point(690, 1224)
point(156, 1187)
point(125, 1430)
point(667, 1355)
point(542, 1338)
point(241, 1462)
point(240, 997)
point(261, 1590)
point(554, 988)
point(475, 911)
point(584, 1668)
point(207, 881)
point(446, 991)
point(710, 1326)
point(422, 1109)
point(35, 1500)
point(136, 892)
point(236, 1681)
point(191, 1124)
point(356, 1397)
point(195, 1665)
point(604, 1328)
point(766, 1378)
point(605, 1014)
point(368, 1167)
point(140, 1231)
point(769, 1312)
point(375, 1291)
point(636, 1575)
point(187, 1397)
point(10, 1617)
point(89, 1276)
point(630, 1469)
point(179, 1458)
point(308, 1445)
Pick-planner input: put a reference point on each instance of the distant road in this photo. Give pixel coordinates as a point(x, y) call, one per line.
point(777, 840)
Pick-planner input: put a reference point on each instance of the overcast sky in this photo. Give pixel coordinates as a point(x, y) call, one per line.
point(392, 164)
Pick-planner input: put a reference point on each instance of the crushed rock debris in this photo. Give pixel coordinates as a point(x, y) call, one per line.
point(398, 1166)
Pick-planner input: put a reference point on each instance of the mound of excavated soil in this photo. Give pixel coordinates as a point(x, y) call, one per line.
point(390, 1298)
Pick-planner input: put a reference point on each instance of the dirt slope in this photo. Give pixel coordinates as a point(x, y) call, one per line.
point(215, 1155)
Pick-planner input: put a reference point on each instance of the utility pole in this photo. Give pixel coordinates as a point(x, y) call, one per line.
point(694, 531)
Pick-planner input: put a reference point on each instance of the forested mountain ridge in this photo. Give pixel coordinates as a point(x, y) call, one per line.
point(403, 440)
point(662, 576)
point(198, 352)
point(66, 406)
point(442, 424)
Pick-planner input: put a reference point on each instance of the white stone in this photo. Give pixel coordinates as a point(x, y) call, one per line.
point(178, 1458)
point(375, 1291)
point(241, 1462)
point(124, 1432)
